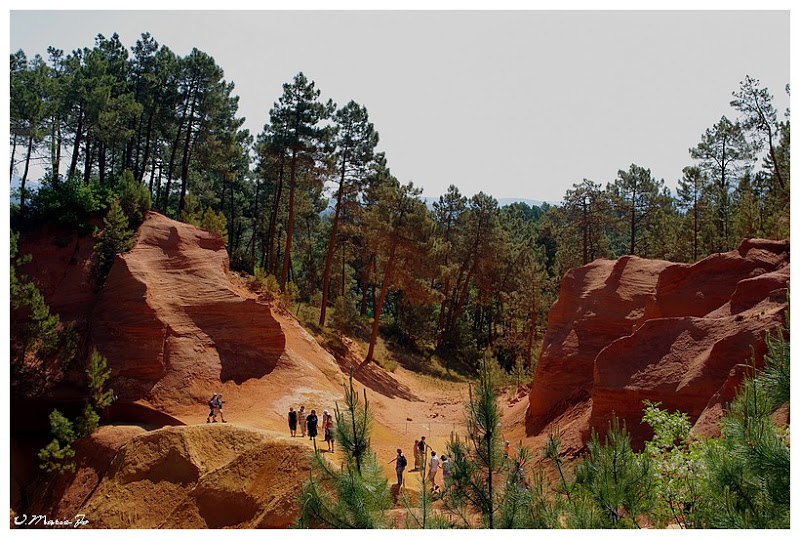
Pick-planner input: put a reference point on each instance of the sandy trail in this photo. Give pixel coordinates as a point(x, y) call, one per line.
point(405, 405)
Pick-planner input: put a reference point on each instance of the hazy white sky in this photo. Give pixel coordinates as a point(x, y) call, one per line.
point(517, 104)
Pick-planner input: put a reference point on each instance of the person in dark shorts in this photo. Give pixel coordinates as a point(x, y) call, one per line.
point(327, 429)
point(311, 424)
point(292, 421)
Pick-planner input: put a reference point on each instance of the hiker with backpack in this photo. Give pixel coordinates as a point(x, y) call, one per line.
point(215, 403)
point(402, 462)
point(211, 408)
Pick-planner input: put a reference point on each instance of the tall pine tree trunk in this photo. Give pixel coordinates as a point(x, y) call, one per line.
point(185, 160)
point(290, 223)
point(13, 151)
point(146, 148)
point(273, 218)
point(326, 275)
point(76, 148)
point(87, 169)
point(384, 288)
point(25, 173)
point(252, 247)
point(101, 162)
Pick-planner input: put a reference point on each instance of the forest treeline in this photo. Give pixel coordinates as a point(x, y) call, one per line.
point(310, 200)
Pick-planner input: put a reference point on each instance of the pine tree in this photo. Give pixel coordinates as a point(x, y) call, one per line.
point(117, 238)
point(98, 374)
point(476, 460)
point(724, 154)
point(58, 454)
point(357, 495)
point(749, 466)
point(355, 141)
point(613, 479)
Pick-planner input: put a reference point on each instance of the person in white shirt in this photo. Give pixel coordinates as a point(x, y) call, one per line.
point(433, 468)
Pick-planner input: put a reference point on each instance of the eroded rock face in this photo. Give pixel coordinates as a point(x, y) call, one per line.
point(205, 476)
point(632, 329)
point(168, 317)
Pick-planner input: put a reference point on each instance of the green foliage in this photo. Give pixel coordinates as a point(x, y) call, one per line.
point(69, 203)
point(524, 503)
point(58, 454)
point(38, 329)
point(134, 198)
point(208, 220)
point(117, 237)
point(357, 494)
point(677, 466)
point(192, 213)
point(615, 479)
point(216, 223)
point(242, 261)
point(265, 283)
point(749, 466)
point(344, 315)
point(476, 460)
point(98, 374)
point(290, 294)
point(552, 453)
point(87, 422)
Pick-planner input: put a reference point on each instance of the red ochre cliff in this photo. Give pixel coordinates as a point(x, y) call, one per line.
point(631, 329)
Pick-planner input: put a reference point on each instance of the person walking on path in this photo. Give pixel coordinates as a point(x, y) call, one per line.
point(311, 426)
point(215, 405)
point(327, 429)
point(211, 408)
point(422, 446)
point(445, 471)
point(292, 421)
point(432, 469)
point(301, 418)
point(219, 407)
point(400, 465)
point(417, 458)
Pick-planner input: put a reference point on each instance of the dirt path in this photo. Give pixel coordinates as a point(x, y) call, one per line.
point(405, 405)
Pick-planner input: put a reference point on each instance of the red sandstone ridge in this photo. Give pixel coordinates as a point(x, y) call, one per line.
point(168, 316)
point(627, 330)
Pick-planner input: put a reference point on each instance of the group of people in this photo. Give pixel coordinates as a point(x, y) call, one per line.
point(215, 408)
point(310, 423)
point(420, 448)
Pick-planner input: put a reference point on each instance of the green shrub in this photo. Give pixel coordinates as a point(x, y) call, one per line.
point(345, 315)
point(38, 330)
point(242, 261)
point(117, 237)
point(215, 222)
point(98, 374)
point(58, 454)
point(614, 479)
point(192, 213)
point(70, 203)
point(134, 198)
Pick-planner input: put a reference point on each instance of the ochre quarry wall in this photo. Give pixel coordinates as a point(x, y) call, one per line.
point(631, 329)
point(170, 321)
point(203, 476)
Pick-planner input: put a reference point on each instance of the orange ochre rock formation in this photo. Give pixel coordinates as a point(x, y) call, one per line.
point(631, 329)
point(168, 317)
point(201, 476)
